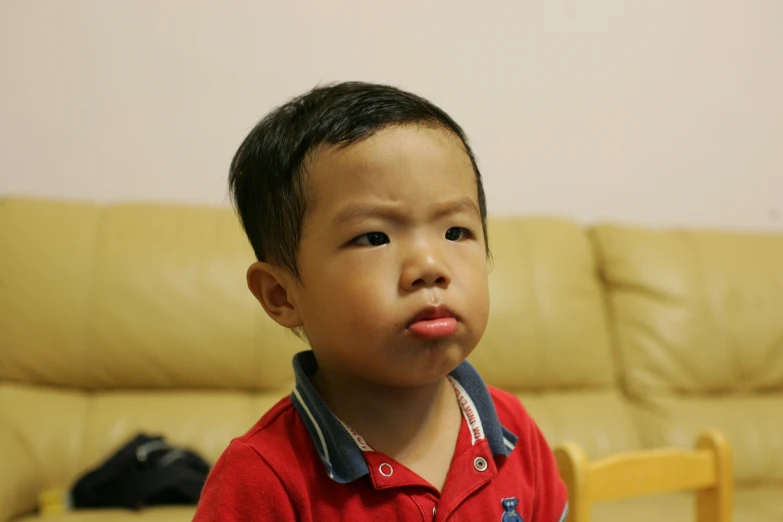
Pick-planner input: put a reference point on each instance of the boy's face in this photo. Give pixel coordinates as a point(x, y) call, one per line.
point(392, 259)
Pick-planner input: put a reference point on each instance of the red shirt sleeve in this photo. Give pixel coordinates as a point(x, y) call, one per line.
point(242, 487)
point(551, 500)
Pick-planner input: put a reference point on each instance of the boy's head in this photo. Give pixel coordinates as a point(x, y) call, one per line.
point(267, 173)
point(365, 208)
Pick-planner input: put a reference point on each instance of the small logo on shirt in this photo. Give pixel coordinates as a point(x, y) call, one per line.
point(511, 515)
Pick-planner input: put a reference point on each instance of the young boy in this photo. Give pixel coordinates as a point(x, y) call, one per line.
point(366, 211)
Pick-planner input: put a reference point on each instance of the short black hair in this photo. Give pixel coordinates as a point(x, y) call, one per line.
point(265, 178)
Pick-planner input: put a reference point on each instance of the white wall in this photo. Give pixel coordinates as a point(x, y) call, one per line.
point(666, 112)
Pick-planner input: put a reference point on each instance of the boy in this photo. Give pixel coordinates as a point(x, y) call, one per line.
point(366, 211)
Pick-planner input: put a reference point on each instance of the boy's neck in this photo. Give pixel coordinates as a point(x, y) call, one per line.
point(392, 420)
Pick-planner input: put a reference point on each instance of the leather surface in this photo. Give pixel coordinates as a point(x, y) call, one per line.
point(764, 501)
point(698, 317)
point(695, 312)
point(749, 506)
point(600, 421)
point(20, 476)
point(752, 424)
point(547, 338)
point(158, 514)
point(125, 318)
point(71, 432)
point(133, 296)
point(547, 328)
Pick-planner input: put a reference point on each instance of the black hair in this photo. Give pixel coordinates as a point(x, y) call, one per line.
point(265, 179)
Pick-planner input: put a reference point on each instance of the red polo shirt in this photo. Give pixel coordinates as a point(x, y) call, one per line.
point(301, 463)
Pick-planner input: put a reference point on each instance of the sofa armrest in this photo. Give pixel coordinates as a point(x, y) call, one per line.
point(19, 478)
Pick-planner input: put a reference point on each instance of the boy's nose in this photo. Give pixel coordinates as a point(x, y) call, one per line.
point(424, 269)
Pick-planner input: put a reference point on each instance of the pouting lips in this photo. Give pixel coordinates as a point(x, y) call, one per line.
point(433, 323)
point(432, 312)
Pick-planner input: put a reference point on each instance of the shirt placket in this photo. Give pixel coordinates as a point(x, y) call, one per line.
point(470, 471)
point(387, 473)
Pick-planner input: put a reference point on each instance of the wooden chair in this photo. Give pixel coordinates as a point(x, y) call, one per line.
point(707, 470)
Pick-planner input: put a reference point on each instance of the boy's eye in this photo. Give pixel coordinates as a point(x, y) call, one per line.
point(457, 233)
point(372, 239)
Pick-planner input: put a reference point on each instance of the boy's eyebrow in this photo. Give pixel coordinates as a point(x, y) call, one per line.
point(466, 205)
point(389, 212)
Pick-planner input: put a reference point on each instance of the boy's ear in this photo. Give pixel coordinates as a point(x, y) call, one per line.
point(271, 287)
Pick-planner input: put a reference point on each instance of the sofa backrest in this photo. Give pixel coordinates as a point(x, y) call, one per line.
point(125, 318)
point(548, 338)
point(129, 317)
point(133, 297)
point(698, 318)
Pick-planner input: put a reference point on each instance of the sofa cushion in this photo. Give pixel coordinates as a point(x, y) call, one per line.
point(158, 514)
point(752, 424)
point(765, 501)
point(600, 421)
point(547, 327)
point(748, 507)
point(699, 326)
point(547, 339)
point(66, 433)
point(133, 296)
point(696, 312)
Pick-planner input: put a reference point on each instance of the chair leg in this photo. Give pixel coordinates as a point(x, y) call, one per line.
point(716, 504)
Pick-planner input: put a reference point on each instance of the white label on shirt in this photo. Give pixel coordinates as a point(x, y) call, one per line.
point(357, 438)
point(468, 411)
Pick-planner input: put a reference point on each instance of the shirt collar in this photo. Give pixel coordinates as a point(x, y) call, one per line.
point(342, 452)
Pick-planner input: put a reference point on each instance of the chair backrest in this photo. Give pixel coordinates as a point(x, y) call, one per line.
point(706, 470)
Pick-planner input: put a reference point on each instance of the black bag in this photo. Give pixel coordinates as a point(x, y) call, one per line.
point(145, 472)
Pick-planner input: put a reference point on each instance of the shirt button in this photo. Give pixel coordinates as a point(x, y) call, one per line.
point(480, 464)
point(385, 469)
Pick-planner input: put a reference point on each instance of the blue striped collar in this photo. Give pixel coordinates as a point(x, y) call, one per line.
point(341, 450)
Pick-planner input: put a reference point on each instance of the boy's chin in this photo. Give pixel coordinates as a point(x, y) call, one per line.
point(426, 372)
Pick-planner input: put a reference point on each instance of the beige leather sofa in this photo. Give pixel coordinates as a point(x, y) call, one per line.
point(126, 318)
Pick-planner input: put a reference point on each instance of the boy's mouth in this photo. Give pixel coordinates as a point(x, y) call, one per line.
point(433, 322)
